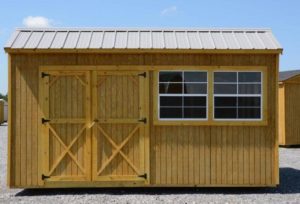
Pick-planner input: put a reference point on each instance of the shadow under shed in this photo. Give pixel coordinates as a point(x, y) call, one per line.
point(289, 184)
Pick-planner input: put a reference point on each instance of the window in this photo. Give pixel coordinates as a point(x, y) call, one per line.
point(182, 95)
point(238, 95)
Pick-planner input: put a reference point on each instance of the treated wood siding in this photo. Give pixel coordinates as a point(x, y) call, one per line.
point(1, 112)
point(281, 114)
point(191, 155)
point(292, 116)
point(225, 155)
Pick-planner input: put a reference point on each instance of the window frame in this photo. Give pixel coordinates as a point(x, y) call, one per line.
point(210, 96)
point(183, 95)
point(261, 83)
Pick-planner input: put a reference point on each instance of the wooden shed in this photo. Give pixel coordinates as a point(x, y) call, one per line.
point(289, 110)
point(2, 119)
point(142, 107)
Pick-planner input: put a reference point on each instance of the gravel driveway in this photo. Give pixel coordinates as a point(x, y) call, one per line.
point(287, 192)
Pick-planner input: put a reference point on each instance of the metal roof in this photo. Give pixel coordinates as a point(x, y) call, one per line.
point(106, 38)
point(285, 75)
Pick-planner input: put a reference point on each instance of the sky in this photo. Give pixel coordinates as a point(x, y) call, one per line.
point(282, 16)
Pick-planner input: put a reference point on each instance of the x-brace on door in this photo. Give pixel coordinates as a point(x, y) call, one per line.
point(120, 130)
point(65, 135)
point(94, 126)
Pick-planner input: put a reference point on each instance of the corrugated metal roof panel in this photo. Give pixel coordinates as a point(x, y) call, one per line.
point(46, 40)
point(182, 40)
point(71, 40)
point(194, 40)
point(219, 40)
point(121, 40)
point(133, 40)
point(21, 40)
point(230, 40)
point(145, 42)
point(285, 75)
point(170, 40)
point(34, 40)
point(158, 40)
point(109, 39)
point(243, 41)
point(206, 40)
point(272, 37)
point(266, 40)
point(254, 40)
point(85, 38)
point(96, 40)
point(12, 38)
point(59, 40)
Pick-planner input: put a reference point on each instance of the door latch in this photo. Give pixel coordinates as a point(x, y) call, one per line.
point(45, 120)
point(144, 120)
point(45, 74)
point(45, 177)
point(143, 176)
point(144, 74)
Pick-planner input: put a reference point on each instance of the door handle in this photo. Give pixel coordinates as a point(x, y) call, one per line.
point(143, 176)
point(143, 120)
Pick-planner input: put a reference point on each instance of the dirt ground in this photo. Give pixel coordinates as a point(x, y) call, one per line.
point(287, 192)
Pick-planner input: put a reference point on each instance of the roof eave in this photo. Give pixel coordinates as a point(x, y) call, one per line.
point(114, 50)
point(290, 78)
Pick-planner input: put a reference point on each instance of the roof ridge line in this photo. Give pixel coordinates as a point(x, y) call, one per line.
point(145, 29)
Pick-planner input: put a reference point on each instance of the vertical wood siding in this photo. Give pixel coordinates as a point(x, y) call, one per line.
point(281, 114)
point(66, 100)
point(118, 98)
point(189, 155)
point(1, 112)
point(292, 116)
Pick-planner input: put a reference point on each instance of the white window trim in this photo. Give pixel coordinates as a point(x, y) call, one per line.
point(237, 95)
point(206, 95)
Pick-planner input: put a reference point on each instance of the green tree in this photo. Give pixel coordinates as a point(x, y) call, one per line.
point(2, 96)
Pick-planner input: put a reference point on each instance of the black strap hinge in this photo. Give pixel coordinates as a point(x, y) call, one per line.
point(45, 120)
point(143, 176)
point(45, 74)
point(144, 74)
point(144, 120)
point(45, 177)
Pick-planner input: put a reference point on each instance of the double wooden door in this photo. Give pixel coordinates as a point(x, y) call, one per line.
point(94, 126)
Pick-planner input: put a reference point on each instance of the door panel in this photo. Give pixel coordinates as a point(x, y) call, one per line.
point(118, 136)
point(94, 126)
point(66, 136)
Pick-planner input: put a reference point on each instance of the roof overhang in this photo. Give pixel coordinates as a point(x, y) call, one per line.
point(142, 40)
point(143, 51)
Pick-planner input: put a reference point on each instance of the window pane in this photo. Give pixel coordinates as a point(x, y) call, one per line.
point(225, 88)
point(249, 77)
point(249, 101)
point(249, 88)
point(194, 101)
point(225, 113)
point(249, 113)
point(225, 77)
point(194, 113)
point(170, 101)
point(170, 77)
point(165, 88)
point(170, 112)
point(225, 101)
point(195, 88)
point(195, 77)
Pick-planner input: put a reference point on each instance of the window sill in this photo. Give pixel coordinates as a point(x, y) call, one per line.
point(209, 123)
